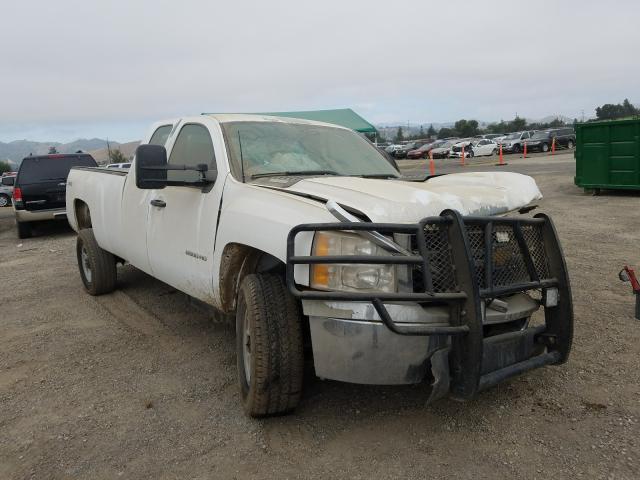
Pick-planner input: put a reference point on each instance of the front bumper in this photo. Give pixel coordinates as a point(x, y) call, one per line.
point(443, 328)
point(24, 216)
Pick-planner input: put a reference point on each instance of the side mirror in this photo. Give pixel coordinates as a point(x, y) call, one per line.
point(151, 167)
point(9, 181)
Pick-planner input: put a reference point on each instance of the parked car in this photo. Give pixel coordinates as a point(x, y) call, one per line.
point(543, 141)
point(119, 165)
point(492, 136)
point(442, 151)
point(456, 149)
point(309, 237)
point(423, 151)
point(40, 186)
point(514, 142)
point(402, 152)
point(6, 190)
point(485, 147)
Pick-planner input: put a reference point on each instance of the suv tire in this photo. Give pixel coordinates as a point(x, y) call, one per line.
point(97, 266)
point(5, 200)
point(269, 346)
point(516, 148)
point(570, 144)
point(24, 230)
point(544, 147)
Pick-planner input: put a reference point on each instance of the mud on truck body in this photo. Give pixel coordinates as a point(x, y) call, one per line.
point(312, 240)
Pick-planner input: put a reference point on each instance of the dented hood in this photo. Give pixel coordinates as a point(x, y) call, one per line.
point(476, 193)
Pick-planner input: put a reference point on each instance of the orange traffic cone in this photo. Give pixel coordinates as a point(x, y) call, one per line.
point(524, 153)
point(432, 165)
point(553, 146)
point(501, 162)
point(462, 158)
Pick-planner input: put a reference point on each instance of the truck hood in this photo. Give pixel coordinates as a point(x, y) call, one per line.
point(476, 193)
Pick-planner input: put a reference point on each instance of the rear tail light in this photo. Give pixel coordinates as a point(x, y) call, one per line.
point(17, 194)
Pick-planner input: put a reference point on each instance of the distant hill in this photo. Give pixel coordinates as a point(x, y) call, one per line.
point(101, 155)
point(18, 149)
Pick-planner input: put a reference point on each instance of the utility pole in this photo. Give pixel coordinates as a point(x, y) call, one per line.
point(108, 150)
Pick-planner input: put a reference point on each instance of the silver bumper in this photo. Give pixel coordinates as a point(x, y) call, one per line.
point(23, 216)
point(351, 344)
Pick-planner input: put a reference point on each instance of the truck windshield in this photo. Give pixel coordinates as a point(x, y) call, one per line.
point(270, 148)
point(50, 169)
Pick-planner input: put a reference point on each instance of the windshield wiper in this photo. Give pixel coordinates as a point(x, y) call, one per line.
point(298, 172)
point(378, 175)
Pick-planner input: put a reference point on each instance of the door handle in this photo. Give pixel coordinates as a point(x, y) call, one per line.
point(156, 202)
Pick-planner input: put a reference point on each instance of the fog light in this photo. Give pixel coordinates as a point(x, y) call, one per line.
point(551, 297)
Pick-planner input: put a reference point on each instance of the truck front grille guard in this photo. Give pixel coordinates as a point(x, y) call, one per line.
point(461, 262)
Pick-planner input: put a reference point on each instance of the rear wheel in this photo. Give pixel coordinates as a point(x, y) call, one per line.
point(97, 266)
point(5, 201)
point(24, 230)
point(570, 144)
point(269, 346)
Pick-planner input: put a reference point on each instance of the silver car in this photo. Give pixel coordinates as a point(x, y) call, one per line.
point(6, 190)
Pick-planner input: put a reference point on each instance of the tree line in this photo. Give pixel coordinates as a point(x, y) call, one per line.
point(471, 128)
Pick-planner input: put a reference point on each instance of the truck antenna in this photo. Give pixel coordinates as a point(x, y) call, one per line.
point(241, 158)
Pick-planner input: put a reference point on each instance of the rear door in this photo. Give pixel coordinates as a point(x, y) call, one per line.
point(43, 180)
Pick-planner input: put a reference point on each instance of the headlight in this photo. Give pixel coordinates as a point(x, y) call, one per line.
point(350, 277)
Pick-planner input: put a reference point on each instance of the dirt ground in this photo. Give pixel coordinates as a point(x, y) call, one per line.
point(142, 384)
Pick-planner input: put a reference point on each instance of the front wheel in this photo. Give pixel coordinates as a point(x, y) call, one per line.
point(516, 148)
point(97, 266)
point(470, 154)
point(268, 346)
point(544, 147)
point(570, 144)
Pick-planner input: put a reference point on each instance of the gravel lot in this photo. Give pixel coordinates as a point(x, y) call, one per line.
point(141, 383)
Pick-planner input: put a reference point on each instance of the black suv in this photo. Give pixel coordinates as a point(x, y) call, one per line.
point(542, 141)
point(41, 186)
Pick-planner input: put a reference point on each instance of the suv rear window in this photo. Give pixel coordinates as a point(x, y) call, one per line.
point(51, 169)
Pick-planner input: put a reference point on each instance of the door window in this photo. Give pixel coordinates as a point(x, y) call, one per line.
point(192, 147)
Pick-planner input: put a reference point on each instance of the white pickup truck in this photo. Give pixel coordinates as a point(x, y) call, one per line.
point(310, 236)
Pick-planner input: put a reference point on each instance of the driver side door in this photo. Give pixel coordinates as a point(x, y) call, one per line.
point(181, 225)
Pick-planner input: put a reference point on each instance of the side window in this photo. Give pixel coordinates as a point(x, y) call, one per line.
point(160, 136)
point(525, 135)
point(192, 147)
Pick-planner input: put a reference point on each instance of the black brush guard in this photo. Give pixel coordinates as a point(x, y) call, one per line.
point(476, 361)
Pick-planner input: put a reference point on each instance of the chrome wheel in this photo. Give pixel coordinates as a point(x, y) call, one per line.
point(4, 200)
point(246, 347)
point(86, 266)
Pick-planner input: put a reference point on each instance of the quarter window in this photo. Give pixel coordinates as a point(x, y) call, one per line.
point(160, 136)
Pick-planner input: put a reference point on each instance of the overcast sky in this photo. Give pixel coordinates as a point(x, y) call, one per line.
point(73, 69)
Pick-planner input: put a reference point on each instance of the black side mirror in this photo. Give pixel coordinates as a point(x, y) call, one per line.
point(151, 167)
point(9, 181)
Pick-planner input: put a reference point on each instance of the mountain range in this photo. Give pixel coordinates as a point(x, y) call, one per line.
point(18, 149)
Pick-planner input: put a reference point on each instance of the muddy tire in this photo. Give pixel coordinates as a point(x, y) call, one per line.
point(97, 266)
point(24, 230)
point(269, 346)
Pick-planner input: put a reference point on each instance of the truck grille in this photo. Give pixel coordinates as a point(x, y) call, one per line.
point(508, 263)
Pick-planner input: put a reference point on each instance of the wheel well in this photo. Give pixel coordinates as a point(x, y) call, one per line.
point(83, 215)
point(237, 261)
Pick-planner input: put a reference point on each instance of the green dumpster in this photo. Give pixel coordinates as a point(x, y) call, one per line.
point(608, 155)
